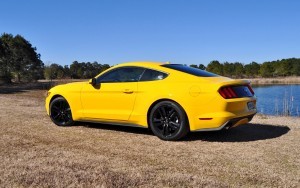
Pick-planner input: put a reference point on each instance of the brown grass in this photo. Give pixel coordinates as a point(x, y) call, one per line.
point(36, 153)
point(277, 80)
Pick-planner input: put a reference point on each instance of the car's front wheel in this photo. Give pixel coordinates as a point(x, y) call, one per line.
point(60, 112)
point(168, 121)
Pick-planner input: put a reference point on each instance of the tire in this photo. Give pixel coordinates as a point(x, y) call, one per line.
point(60, 112)
point(168, 121)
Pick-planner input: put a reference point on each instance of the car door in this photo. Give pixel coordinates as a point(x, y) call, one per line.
point(113, 95)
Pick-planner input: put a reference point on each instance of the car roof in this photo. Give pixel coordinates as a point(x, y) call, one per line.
point(148, 64)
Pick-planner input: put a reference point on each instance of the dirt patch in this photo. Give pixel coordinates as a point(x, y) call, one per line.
point(35, 152)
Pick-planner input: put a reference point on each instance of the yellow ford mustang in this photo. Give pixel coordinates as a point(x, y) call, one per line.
point(171, 99)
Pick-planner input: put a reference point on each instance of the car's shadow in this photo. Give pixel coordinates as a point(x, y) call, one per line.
point(243, 133)
point(128, 129)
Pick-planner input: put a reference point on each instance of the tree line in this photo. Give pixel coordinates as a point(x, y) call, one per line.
point(284, 67)
point(20, 61)
point(77, 70)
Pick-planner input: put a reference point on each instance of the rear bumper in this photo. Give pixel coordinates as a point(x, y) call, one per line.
point(229, 123)
point(238, 121)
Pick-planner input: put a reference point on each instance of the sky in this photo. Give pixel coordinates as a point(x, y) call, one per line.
point(177, 31)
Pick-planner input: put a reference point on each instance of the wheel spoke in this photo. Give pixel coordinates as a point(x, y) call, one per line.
point(56, 116)
point(69, 116)
point(55, 110)
point(163, 110)
point(174, 125)
point(160, 113)
point(164, 130)
point(67, 107)
point(171, 113)
point(55, 107)
point(63, 106)
point(156, 120)
point(66, 118)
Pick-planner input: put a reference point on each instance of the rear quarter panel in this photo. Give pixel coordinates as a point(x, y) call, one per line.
point(181, 88)
point(198, 96)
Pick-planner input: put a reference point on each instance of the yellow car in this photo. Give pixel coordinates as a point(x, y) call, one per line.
point(170, 99)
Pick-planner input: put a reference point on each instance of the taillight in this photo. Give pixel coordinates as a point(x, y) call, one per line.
point(227, 92)
point(236, 91)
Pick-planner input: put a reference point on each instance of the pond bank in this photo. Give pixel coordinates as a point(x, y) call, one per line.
point(275, 81)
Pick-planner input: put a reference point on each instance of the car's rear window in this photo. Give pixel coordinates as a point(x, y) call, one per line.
point(152, 75)
point(190, 70)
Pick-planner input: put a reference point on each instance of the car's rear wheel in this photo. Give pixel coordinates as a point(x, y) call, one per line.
point(168, 121)
point(60, 112)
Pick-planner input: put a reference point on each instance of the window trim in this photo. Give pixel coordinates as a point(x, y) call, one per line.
point(156, 71)
point(145, 68)
point(115, 69)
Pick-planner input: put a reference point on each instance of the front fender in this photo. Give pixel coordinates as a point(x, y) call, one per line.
point(72, 93)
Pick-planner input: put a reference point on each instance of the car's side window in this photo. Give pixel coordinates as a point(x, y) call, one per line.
point(123, 74)
point(151, 75)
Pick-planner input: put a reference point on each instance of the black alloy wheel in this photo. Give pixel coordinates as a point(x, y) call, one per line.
point(168, 121)
point(60, 112)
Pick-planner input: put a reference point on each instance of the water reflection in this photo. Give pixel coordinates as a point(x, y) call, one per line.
point(278, 99)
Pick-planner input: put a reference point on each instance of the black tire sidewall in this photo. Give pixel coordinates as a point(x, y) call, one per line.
point(184, 127)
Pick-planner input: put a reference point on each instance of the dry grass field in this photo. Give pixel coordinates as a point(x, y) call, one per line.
point(36, 153)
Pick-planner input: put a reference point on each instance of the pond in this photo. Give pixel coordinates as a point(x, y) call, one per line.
point(278, 99)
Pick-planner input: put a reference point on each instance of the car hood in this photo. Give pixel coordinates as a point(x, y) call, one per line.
point(74, 86)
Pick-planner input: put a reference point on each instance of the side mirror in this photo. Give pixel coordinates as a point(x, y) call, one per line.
point(93, 81)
